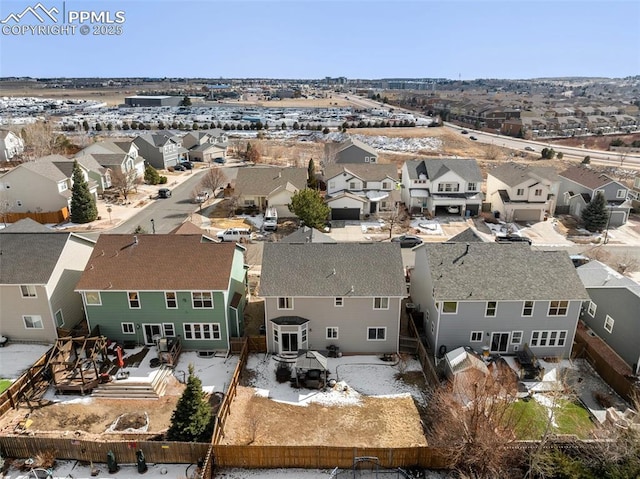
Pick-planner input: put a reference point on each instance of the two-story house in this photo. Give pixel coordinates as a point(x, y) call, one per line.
point(264, 187)
point(346, 295)
point(161, 149)
point(11, 145)
point(433, 185)
point(497, 296)
point(613, 310)
point(137, 289)
point(580, 184)
point(634, 192)
point(523, 193)
point(357, 190)
point(350, 151)
point(118, 156)
point(206, 145)
point(39, 269)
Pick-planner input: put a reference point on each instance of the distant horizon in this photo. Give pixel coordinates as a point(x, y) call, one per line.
point(313, 39)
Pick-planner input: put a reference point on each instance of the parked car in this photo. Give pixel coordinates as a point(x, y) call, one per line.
point(179, 167)
point(270, 220)
point(513, 239)
point(528, 148)
point(473, 138)
point(187, 164)
point(464, 132)
point(235, 234)
point(407, 241)
point(220, 160)
point(453, 209)
point(164, 193)
point(201, 197)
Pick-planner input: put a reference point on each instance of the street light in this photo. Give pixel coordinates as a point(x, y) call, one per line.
point(153, 226)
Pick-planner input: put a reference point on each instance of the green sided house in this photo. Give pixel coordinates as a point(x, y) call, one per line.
point(140, 288)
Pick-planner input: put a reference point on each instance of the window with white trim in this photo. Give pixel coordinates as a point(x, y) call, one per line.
point(59, 318)
point(128, 328)
point(28, 291)
point(491, 308)
point(332, 332)
point(202, 331)
point(202, 299)
point(92, 298)
point(171, 299)
point(353, 185)
point(380, 303)
point(537, 192)
point(558, 308)
point(608, 324)
point(448, 187)
point(520, 192)
point(449, 307)
point(476, 336)
point(621, 194)
point(31, 321)
point(338, 302)
point(592, 309)
point(527, 308)
point(472, 187)
point(134, 299)
point(285, 302)
point(548, 338)
point(376, 334)
point(169, 330)
point(516, 337)
point(386, 185)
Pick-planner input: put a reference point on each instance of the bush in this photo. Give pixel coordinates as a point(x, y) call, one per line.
point(162, 180)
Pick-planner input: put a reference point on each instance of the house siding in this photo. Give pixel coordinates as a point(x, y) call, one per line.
point(13, 306)
point(353, 154)
point(237, 284)
point(35, 192)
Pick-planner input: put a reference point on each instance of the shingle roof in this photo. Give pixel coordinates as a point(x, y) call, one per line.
point(25, 225)
point(108, 159)
point(29, 258)
point(587, 177)
point(364, 171)
point(261, 181)
point(157, 263)
point(513, 174)
point(466, 236)
point(46, 166)
point(307, 235)
point(594, 274)
point(372, 269)
point(433, 168)
point(500, 272)
point(354, 142)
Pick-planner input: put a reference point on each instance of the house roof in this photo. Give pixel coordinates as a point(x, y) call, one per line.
point(107, 159)
point(159, 138)
point(587, 177)
point(433, 168)
point(361, 270)
point(261, 181)
point(29, 258)
point(349, 142)
point(90, 163)
point(595, 274)
point(364, 171)
point(208, 146)
point(307, 235)
point(500, 272)
point(157, 263)
point(187, 228)
point(47, 167)
point(26, 225)
point(513, 174)
point(466, 236)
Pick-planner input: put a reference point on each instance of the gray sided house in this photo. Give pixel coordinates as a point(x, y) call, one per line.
point(499, 296)
point(352, 151)
point(613, 313)
point(579, 184)
point(117, 156)
point(269, 187)
point(137, 288)
point(346, 295)
point(39, 269)
point(206, 145)
point(161, 149)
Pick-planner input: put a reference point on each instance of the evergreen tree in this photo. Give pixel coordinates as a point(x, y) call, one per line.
point(83, 204)
point(186, 101)
point(309, 206)
point(151, 175)
point(191, 420)
point(311, 173)
point(595, 214)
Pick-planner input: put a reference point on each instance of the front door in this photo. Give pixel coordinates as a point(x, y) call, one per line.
point(289, 343)
point(151, 330)
point(499, 342)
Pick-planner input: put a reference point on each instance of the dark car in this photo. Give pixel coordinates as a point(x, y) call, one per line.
point(407, 241)
point(473, 138)
point(164, 193)
point(220, 160)
point(513, 239)
point(179, 167)
point(187, 164)
point(464, 132)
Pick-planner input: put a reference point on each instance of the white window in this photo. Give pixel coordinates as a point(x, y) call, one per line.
point(169, 330)
point(516, 337)
point(558, 308)
point(372, 159)
point(92, 298)
point(621, 194)
point(18, 203)
point(202, 299)
point(448, 187)
point(538, 192)
point(285, 303)
point(332, 332)
point(450, 307)
point(170, 299)
point(380, 303)
point(366, 159)
point(338, 302)
point(353, 185)
point(472, 187)
point(492, 306)
point(59, 318)
point(608, 324)
point(386, 185)
point(332, 185)
point(202, 331)
point(62, 186)
point(28, 291)
point(548, 338)
point(520, 192)
point(527, 309)
point(376, 334)
point(33, 322)
point(134, 300)
point(128, 328)
point(592, 309)
point(476, 336)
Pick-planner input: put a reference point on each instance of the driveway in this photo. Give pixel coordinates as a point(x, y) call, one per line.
point(545, 233)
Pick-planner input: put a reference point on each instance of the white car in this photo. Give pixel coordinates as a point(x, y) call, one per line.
point(453, 209)
point(202, 197)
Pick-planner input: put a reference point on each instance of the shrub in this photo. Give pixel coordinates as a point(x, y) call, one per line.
point(162, 180)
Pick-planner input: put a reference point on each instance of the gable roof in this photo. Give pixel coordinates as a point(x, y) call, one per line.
point(349, 142)
point(433, 168)
point(159, 138)
point(47, 167)
point(361, 270)
point(500, 272)
point(513, 174)
point(26, 225)
point(89, 161)
point(261, 181)
point(586, 177)
point(595, 274)
point(466, 236)
point(307, 235)
point(120, 263)
point(29, 258)
point(187, 228)
point(364, 171)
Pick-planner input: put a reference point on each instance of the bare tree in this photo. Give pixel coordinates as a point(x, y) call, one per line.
point(124, 183)
point(40, 140)
point(213, 179)
point(330, 153)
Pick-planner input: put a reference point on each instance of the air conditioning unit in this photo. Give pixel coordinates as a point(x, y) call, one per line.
point(516, 348)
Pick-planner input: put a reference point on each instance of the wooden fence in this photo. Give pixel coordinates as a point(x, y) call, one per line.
point(21, 388)
point(423, 355)
point(56, 217)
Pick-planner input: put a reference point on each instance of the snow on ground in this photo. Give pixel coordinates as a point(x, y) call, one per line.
point(16, 358)
point(396, 144)
point(372, 226)
point(504, 229)
point(427, 227)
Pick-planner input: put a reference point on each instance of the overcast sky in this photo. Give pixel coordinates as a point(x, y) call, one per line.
point(313, 39)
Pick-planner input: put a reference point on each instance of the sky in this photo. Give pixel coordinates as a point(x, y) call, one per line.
point(371, 39)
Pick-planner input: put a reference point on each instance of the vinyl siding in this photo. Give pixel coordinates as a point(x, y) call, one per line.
point(13, 306)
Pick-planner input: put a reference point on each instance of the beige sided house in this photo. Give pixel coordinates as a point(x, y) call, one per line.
point(267, 186)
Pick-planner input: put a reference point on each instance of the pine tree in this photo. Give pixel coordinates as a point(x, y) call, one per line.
point(83, 203)
point(311, 173)
point(595, 214)
point(151, 175)
point(191, 421)
point(309, 206)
